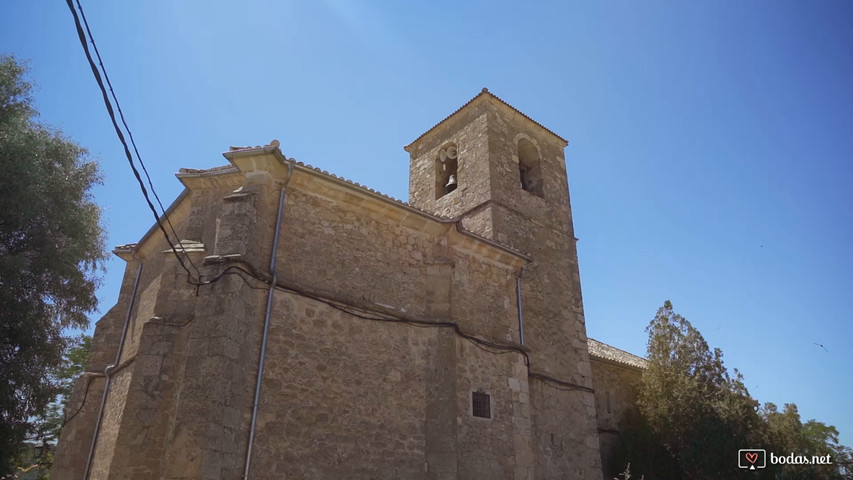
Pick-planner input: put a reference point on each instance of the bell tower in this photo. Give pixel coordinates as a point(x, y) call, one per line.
point(503, 175)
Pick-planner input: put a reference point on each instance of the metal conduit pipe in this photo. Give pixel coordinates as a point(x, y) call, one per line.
point(273, 282)
point(108, 371)
point(518, 302)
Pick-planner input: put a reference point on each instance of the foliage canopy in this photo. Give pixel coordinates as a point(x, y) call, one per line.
point(692, 416)
point(51, 250)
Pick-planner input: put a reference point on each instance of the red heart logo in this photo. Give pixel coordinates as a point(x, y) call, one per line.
point(752, 456)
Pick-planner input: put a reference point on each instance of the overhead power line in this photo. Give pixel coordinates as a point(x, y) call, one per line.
point(486, 345)
point(97, 74)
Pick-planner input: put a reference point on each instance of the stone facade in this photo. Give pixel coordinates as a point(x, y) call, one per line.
point(388, 323)
point(617, 375)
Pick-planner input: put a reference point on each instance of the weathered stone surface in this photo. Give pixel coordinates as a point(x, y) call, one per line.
point(387, 319)
point(491, 202)
point(615, 392)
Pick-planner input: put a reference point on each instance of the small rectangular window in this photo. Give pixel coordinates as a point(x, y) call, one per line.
point(480, 401)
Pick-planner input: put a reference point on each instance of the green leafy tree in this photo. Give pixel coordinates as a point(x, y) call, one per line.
point(692, 416)
point(47, 427)
point(51, 250)
point(701, 414)
point(640, 447)
point(784, 433)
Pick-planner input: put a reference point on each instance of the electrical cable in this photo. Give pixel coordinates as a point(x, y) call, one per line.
point(560, 384)
point(127, 128)
point(82, 37)
point(91, 377)
point(485, 345)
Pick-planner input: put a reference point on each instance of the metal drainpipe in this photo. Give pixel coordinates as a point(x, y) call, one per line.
point(109, 369)
point(518, 302)
point(273, 282)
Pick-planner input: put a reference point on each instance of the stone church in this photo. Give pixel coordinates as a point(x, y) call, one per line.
point(302, 326)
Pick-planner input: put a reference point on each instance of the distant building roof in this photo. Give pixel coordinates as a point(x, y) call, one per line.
point(603, 351)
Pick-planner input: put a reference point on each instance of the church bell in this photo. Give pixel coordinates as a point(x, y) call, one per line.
point(451, 184)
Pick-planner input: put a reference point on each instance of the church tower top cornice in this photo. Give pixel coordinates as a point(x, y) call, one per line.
point(484, 96)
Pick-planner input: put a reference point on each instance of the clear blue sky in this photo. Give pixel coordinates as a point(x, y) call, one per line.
point(710, 154)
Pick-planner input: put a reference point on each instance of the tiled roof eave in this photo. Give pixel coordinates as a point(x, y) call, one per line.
point(598, 358)
point(197, 172)
point(610, 354)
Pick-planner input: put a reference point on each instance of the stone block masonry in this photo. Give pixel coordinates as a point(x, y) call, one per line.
point(395, 345)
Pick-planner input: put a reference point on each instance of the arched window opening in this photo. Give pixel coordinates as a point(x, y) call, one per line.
point(529, 168)
point(446, 170)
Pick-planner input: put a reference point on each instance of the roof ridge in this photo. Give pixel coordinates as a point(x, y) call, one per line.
point(615, 348)
point(363, 187)
point(207, 170)
point(346, 181)
point(484, 91)
point(606, 351)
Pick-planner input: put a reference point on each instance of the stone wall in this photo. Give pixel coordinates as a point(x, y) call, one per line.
point(492, 203)
point(380, 399)
point(83, 407)
point(342, 397)
point(615, 393)
point(469, 133)
point(329, 247)
point(500, 446)
point(369, 373)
